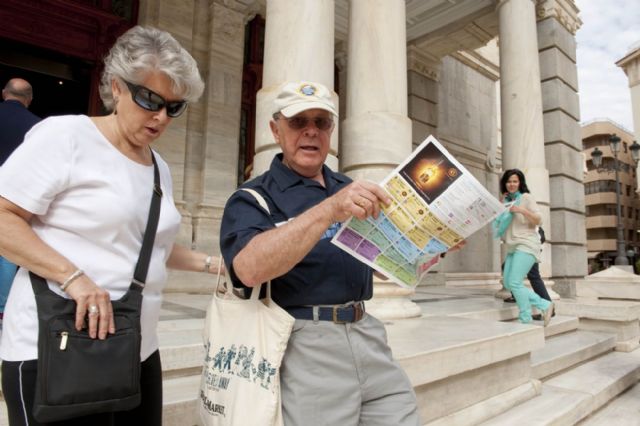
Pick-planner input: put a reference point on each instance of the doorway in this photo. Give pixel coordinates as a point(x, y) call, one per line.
point(61, 84)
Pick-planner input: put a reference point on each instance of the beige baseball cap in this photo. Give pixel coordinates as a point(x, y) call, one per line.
point(294, 98)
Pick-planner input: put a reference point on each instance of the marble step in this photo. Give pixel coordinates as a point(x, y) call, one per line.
point(4, 419)
point(180, 401)
point(560, 324)
point(570, 397)
point(566, 350)
point(432, 348)
point(453, 362)
point(181, 351)
point(622, 411)
point(464, 303)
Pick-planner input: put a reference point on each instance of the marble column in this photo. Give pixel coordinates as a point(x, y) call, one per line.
point(377, 130)
point(298, 45)
point(201, 146)
point(631, 66)
point(521, 104)
point(557, 24)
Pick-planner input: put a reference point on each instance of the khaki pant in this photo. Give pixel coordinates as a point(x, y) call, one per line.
point(343, 374)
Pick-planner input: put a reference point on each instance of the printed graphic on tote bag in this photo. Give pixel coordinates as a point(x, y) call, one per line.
point(235, 363)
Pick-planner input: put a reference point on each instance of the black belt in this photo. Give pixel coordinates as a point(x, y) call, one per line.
point(339, 314)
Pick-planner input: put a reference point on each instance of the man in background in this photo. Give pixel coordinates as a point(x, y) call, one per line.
point(15, 122)
point(15, 118)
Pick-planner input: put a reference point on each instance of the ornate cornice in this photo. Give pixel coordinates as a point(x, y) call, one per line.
point(473, 60)
point(564, 11)
point(631, 65)
point(423, 63)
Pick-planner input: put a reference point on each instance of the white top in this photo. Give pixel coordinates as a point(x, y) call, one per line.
point(522, 235)
point(91, 204)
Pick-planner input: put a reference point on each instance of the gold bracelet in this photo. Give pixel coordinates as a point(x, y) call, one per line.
point(207, 264)
point(71, 279)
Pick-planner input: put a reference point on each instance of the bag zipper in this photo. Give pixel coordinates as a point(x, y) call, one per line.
point(63, 341)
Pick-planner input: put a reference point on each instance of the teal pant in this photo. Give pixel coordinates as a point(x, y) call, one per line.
point(516, 267)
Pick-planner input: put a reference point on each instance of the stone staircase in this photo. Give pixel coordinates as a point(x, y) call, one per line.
point(470, 363)
point(570, 376)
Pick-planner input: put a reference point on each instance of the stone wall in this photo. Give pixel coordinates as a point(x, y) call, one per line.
point(563, 146)
point(463, 117)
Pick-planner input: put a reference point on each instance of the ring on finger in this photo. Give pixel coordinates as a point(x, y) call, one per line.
point(93, 310)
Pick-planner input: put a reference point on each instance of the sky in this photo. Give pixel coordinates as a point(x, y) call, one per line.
point(609, 29)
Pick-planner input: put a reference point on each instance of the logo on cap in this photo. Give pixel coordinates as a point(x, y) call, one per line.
point(308, 90)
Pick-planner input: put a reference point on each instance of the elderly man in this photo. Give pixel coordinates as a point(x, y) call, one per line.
point(337, 368)
point(15, 118)
point(15, 122)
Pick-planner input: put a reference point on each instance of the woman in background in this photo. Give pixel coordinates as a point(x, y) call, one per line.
point(518, 228)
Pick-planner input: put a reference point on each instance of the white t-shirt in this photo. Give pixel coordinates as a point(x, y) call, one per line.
point(91, 204)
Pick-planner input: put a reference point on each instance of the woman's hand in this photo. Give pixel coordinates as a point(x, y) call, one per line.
point(185, 259)
point(533, 218)
point(517, 209)
point(458, 246)
point(215, 261)
point(94, 302)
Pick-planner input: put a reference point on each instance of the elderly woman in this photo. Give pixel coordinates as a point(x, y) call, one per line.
point(518, 228)
point(75, 202)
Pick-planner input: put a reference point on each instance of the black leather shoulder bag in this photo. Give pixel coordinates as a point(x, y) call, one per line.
point(78, 375)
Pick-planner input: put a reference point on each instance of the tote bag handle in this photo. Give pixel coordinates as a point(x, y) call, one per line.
point(255, 292)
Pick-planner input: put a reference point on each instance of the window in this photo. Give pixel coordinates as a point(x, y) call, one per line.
point(599, 186)
point(629, 212)
point(628, 190)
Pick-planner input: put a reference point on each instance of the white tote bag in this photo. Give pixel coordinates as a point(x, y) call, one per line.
point(245, 341)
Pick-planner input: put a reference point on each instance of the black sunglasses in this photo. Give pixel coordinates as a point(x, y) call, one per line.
point(151, 101)
point(300, 122)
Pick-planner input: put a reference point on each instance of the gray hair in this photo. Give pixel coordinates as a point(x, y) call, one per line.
point(144, 49)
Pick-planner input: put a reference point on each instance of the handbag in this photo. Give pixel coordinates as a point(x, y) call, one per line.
point(245, 341)
point(543, 237)
point(78, 375)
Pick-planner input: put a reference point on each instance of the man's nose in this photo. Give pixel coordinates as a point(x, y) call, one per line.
point(311, 129)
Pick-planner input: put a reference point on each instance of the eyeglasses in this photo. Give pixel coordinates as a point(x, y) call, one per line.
point(151, 101)
point(300, 122)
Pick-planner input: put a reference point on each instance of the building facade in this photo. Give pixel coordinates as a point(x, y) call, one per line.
point(600, 194)
point(494, 80)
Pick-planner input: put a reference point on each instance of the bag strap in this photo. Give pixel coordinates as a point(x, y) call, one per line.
point(255, 292)
point(142, 266)
point(259, 198)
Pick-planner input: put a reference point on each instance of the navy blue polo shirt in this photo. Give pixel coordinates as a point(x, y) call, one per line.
point(327, 275)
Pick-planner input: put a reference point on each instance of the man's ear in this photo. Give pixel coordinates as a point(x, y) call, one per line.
point(275, 130)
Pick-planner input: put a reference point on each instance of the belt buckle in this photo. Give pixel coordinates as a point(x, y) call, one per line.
point(358, 311)
point(335, 315)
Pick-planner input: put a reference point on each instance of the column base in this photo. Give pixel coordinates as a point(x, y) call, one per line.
point(503, 294)
point(392, 302)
